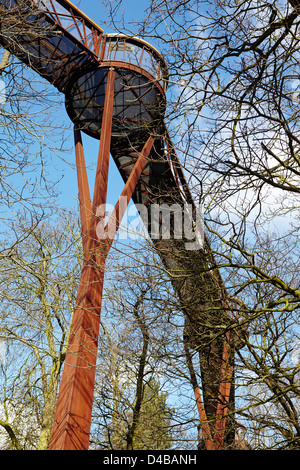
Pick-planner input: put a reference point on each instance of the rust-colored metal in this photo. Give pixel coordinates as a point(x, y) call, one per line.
point(224, 395)
point(85, 204)
point(101, 179)
point(207, 436)
point(123, 201)
point(213, 432)
point(72, 419)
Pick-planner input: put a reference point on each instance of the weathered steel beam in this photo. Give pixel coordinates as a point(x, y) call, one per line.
point(72, 419)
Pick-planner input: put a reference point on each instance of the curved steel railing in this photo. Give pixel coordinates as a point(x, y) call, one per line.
point(59, 39)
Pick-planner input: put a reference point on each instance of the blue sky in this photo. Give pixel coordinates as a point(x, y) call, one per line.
point(97, 11)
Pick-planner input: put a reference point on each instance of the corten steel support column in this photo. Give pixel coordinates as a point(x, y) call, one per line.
point(72, 421)
point(214, 432)
point(224, 396)
point(85, 204)
point(207, 436)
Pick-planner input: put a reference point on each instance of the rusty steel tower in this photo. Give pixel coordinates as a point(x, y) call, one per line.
point(115, 91)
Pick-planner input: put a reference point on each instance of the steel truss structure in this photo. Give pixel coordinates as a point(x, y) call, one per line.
point(115, 86)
